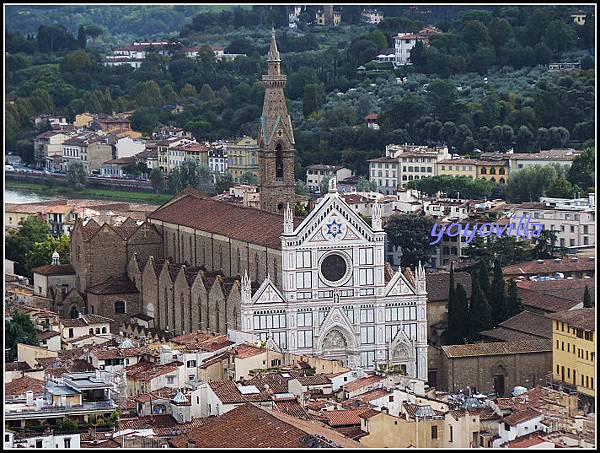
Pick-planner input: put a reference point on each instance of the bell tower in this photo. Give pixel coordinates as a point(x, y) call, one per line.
point(275, 140)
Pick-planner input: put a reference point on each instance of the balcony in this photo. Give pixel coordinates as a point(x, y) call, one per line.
point(31, 412)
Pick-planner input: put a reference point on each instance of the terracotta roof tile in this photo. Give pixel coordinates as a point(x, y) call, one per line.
point(582, 318)
point(345, 417)
point(18, 387)
point(571, 289)
point(146, 371)
point(438, 284)
point(236, 222)
point(246, 426)
point(549, 267)
point(521, 416)
point(291, 407)
point(525, 325)
point(245, 351)
point(498, 348)
point(17, 366)
point(362, 382)
point(162, 425)
point(54, 269)
point(114, 285)
point(317, 379)
point(543, 301)
point(229, 393)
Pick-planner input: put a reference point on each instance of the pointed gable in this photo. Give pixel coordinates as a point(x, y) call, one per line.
point(268, 293)
point(399, 285)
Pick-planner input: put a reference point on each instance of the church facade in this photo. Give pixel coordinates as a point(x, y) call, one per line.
point(337, 297)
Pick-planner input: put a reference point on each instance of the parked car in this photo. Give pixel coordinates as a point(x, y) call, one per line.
point(9, 168)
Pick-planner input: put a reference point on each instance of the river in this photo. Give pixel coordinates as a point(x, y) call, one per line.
point(25, 196)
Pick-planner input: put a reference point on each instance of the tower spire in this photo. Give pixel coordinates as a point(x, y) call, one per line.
point(273, 54)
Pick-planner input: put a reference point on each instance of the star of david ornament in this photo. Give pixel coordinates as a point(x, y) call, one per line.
point(334, 229)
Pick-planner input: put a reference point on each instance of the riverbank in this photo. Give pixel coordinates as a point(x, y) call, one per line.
point(93, 193)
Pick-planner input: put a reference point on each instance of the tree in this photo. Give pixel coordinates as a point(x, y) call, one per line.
point(587, 298)
point(313, 98)
point(530, 183)
point(582, 172)
point(365, 185)
point(498, 295)
point(559, 36)
point(324, 186)
point(484, 278)
point(207, 94)
point(193, 174)
point(19, 329)
point(500, 32)
point(31, 230)
point(458, 328)
point(514, 304)
point(248, 178)
point(412, 236)
point(475, 34)
point(157, 180)
point(223, 183)
point(76, 175)
point(544, 246)
point(561, 188)
point(76, 61)
point(41, 252)
point(301, 187)
point(480, 312)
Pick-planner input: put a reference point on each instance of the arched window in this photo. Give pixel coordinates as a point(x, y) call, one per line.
point(74, 313)
point(279, 162)
point(91, 331)
point(492, 171)
point(199, 313)
point(493, 179)
point(182, 311)
point(120, 307)
point(501, 171)
point(483, 171)
point(104, 330)
point(97, 329)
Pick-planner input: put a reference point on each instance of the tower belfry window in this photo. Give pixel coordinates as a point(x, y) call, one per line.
point(279, 162)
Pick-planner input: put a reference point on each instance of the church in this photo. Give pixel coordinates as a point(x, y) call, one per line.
point(314, 285)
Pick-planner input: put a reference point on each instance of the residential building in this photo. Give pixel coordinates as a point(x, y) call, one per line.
point(126, 146)
point(89, 148)
point(405, 42)
point(563, 157)
point(573, 221)
point(328, 16)
point(147, 377)
point(55, 122)
point(386, 172)
point(83, 326)
point(493, 167)
point(574, 352)
point(315, 174)
point(220, 397)
point(73, 396)
point(117, 167)
point(371, 16)
point(579, 18)
point(53, 277)
point(518, 424)
point(217, 159)
point(42, 440)
point(242, 157)
point(371, 120)
point(457, 167)
point(169, 154)
point(48, 144)
point(574, 267)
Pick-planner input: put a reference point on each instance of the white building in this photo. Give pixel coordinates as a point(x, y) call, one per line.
point(371, 16)
point(518, 424)
point(217, 159)
point(403, 44)
point(42, 440)
point(315, 174)
point(127, 147)
point(573, 221)
point(563, 157)
point(337, 299)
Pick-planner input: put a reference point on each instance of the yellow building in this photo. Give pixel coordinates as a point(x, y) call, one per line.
point(493, 169)
point(83, 120)
point(406, 431)
point(574, 350)
point(243, 157)
point(457, 167)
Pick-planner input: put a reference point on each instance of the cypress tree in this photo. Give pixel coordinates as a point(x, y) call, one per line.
point(587, 298)
point(484, 279)
point(498, 295)
point(461, 303)
point(480, 313)
point(451, 336)
point(514, 304)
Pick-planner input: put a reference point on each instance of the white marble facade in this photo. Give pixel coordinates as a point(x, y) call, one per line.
point(333, 300)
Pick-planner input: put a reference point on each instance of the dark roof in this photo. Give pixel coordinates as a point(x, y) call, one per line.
point(570, 288)
point(85, 320)
point(528, 323)
point(582, 318)
point(245, 224)
point(246, 426)
point(229, 393)
point(54, 269)
point(543, 301)
point(114, 285)
point(521, 416)
point(498, 348)
point(47, 334)
point(549, 267)
point(438, 284)
point(17, 366)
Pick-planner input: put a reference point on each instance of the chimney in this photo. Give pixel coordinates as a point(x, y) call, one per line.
point(29, 396)
point(39, 403)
